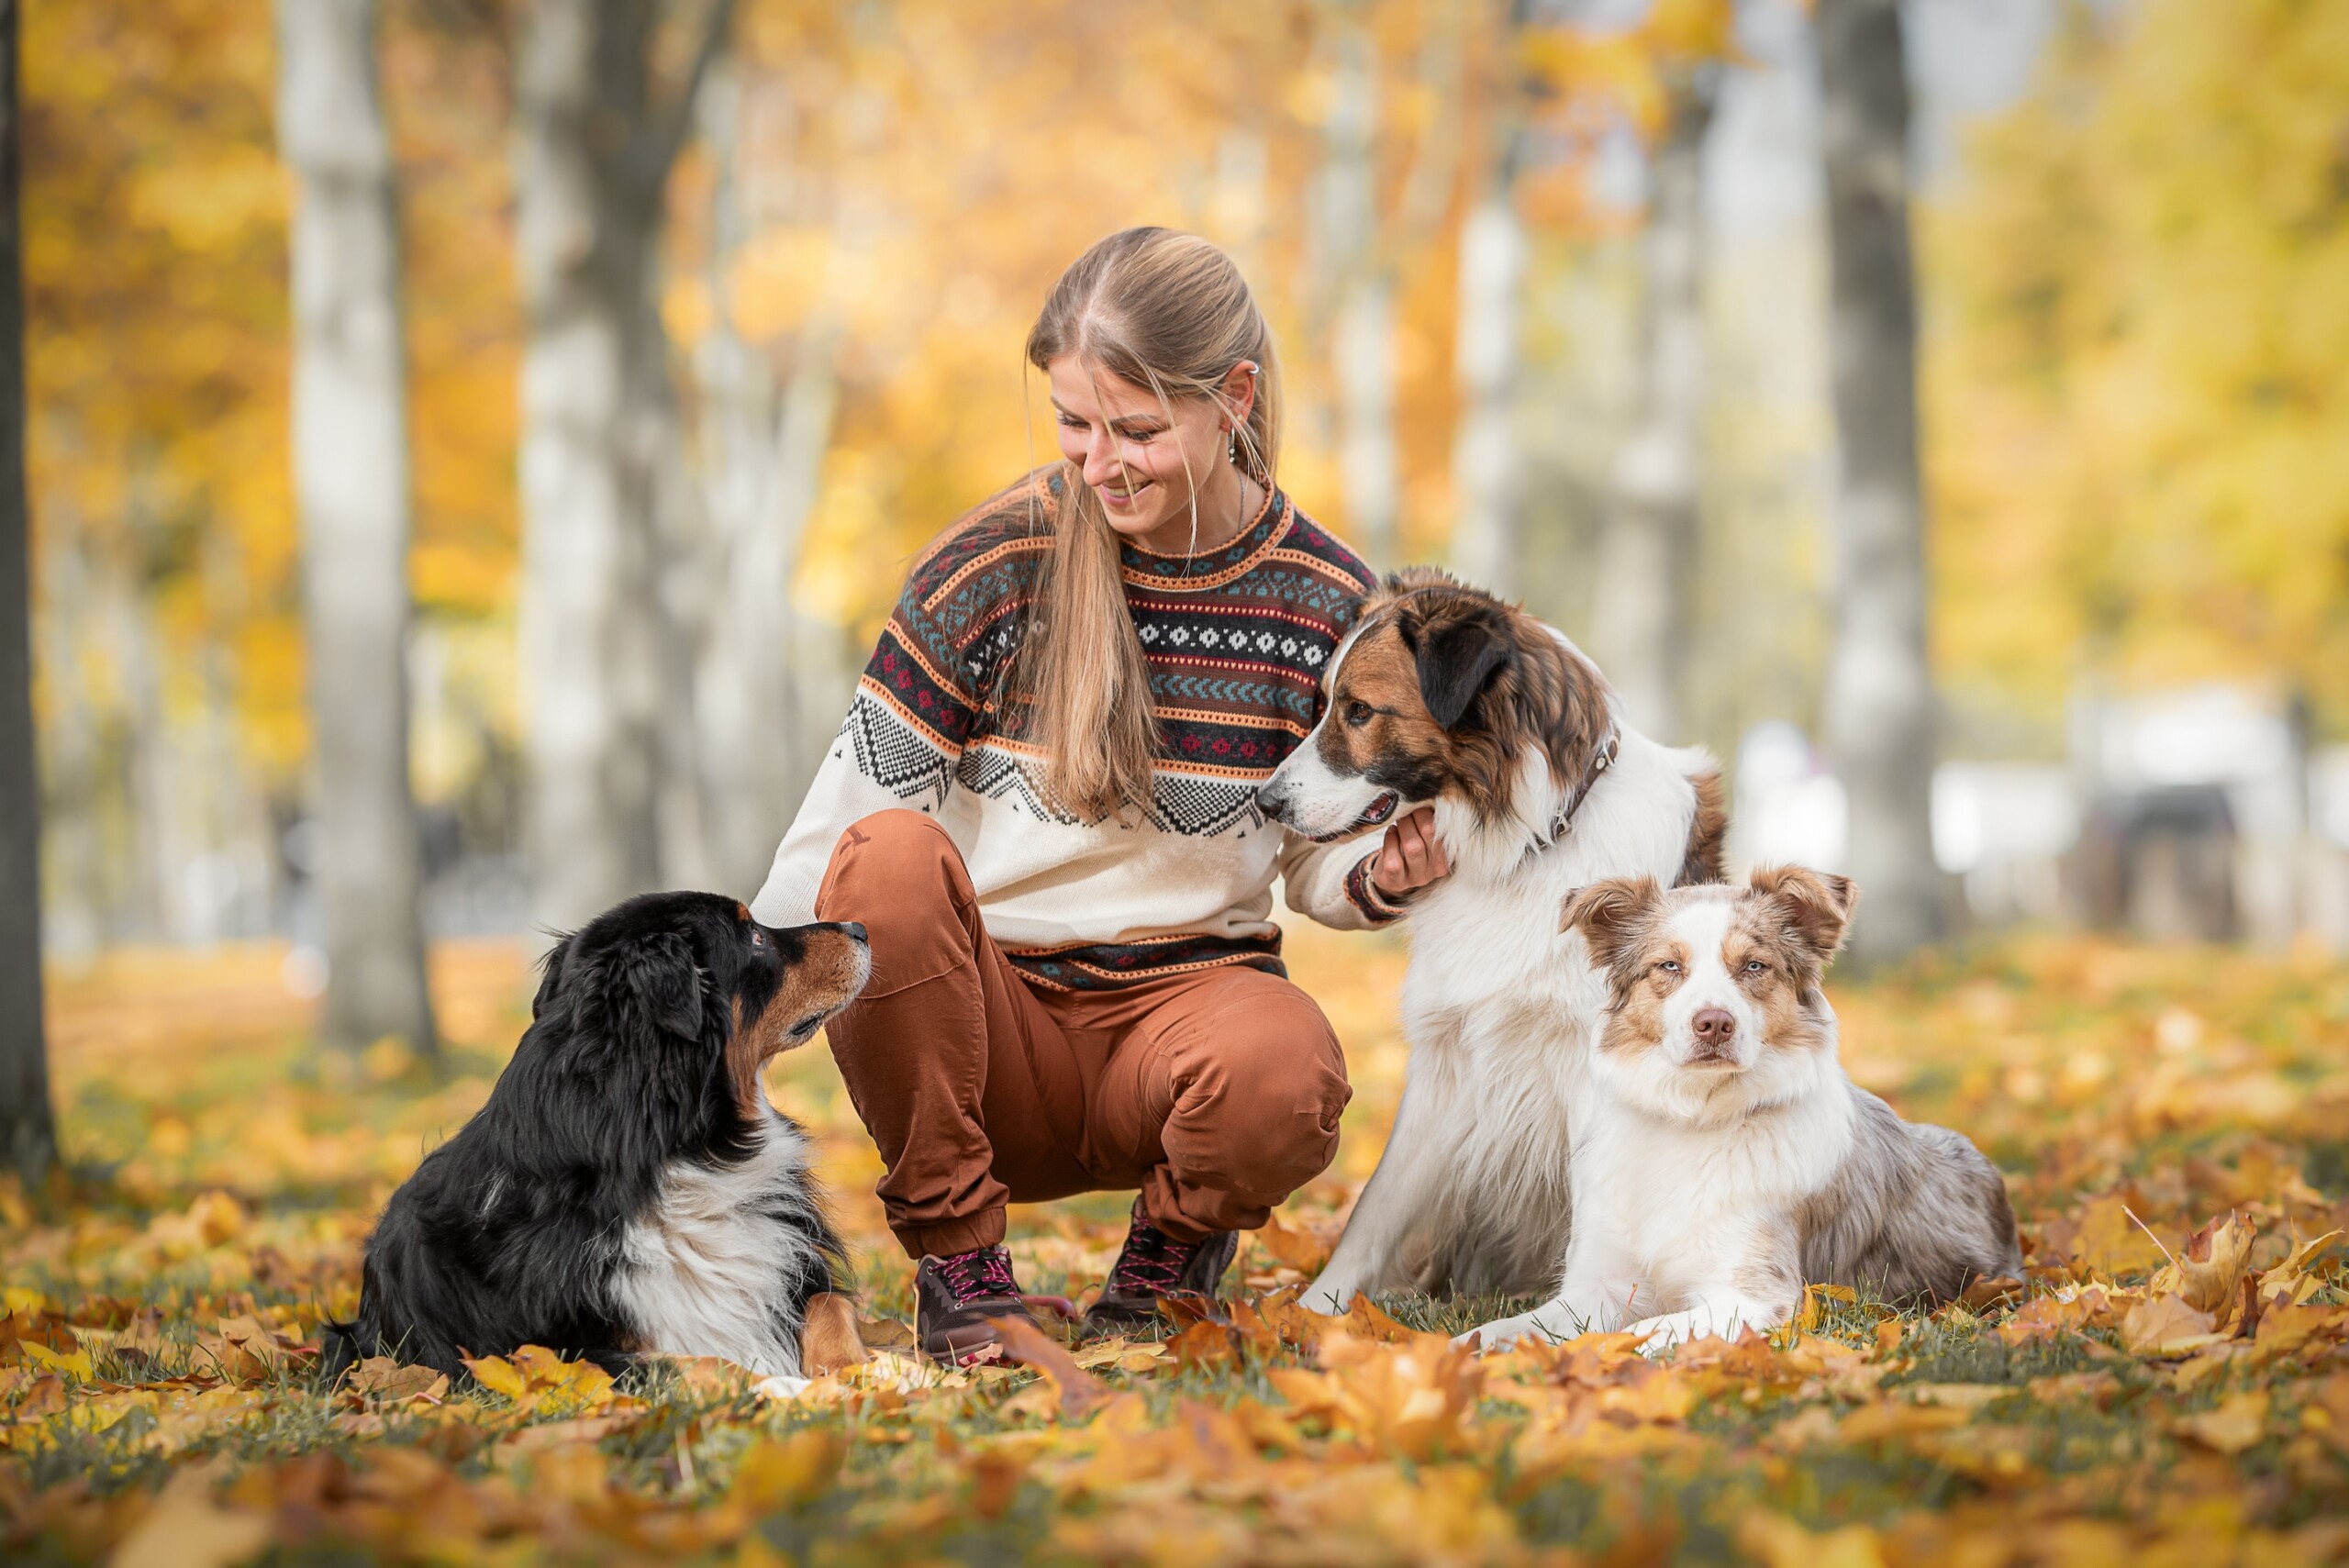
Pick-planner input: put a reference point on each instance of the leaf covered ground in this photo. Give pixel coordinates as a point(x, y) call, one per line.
point(2169, 1386)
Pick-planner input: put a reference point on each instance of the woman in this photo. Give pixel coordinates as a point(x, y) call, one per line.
point(1043, 809)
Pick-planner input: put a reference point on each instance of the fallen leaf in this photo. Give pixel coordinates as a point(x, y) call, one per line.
point(2239, 1421)
point(2165, 1326)
point(1782, 1543)
point(2208, 1274)
point(1300, 1249)
point(1080, 1391)
point(186, 1528)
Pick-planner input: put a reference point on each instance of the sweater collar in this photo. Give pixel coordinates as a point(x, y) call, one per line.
point(1212, 568)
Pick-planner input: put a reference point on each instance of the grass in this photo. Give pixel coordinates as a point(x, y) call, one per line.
point(156, 1404)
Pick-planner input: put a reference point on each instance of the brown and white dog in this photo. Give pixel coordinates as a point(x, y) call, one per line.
point(1444, 695)
point(1722, 1160)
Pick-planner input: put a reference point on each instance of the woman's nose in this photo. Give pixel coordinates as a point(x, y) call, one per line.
point(1101, 465)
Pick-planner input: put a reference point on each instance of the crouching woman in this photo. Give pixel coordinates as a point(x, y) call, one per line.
point(1041, 808)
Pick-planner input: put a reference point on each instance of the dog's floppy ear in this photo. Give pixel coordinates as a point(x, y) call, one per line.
point(550, 974)
point(1817, 904)
point(664, 981)
point(1458, 656)
point(1607, 913)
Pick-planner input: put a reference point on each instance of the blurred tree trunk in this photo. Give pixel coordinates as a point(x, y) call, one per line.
point(1646, 567)
point(596, 149)
point(350, 484)
point(1879, 690)
point(1361, 344)
point(763, 449)
point(28, 1129)
point(1493, 248)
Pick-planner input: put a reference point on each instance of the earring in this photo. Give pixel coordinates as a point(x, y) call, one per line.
point(1231, 444)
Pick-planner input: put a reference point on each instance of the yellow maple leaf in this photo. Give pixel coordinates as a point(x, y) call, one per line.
point(2163, 1326)
point(2206, 1272)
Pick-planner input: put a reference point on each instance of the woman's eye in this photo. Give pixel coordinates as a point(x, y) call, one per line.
point(1137, 438)
point(1358, 714)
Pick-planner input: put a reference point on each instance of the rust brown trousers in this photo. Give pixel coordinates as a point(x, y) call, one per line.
point(1216, 1091)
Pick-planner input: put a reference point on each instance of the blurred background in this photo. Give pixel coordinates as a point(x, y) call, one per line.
point(652, 337)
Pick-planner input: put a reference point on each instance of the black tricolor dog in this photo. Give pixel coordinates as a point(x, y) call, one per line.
point(628, 1188)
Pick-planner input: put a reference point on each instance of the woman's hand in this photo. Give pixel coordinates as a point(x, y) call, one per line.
point(1411, 857)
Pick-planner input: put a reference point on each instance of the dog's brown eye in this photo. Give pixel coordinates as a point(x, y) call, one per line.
point(1358, 714)
point(758, 939)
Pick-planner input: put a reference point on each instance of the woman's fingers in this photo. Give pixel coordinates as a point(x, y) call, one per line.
point(1412, 856)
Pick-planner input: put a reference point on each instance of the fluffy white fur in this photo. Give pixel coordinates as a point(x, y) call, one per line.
point(1712, 1179)
point(1679, 1185)
point(701, 1276)
point(1502, 1013)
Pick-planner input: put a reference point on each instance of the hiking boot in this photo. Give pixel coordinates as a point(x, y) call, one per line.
point(1152, 1267)
point(958, 1298)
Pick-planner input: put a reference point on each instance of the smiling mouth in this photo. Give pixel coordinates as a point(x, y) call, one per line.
point(1124, 497)
point(1376, 812)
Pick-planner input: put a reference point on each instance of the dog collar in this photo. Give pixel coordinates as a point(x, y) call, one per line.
point(1600, 761)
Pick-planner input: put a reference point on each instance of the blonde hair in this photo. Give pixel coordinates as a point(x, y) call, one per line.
point(1163, 310)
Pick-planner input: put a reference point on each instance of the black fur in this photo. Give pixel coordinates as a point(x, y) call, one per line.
point(509, 1233)
point(1457, 659)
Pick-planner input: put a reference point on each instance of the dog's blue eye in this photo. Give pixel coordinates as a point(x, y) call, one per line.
point(1755, 967)
point(1670, 966)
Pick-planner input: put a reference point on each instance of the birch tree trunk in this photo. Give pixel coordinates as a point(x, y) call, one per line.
point(350, 484)
point(1879, 690)
point(594, 154)
point(1647, 556)
point(27, 1130)
point(1484, 458)
point(1361, 348)
point(763, 449)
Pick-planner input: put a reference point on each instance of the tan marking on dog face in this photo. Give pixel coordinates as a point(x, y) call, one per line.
point(1778, 974)
point(825, 979)
point(1377, 714)
point(1538, 696)
point(1647, 970)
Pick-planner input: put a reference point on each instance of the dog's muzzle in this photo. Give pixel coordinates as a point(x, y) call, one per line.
point(1373, 814)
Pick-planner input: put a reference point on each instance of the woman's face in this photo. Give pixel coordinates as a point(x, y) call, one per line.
point(1143, 456)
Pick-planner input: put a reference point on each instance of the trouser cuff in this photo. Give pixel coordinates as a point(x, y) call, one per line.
point(944, 1238)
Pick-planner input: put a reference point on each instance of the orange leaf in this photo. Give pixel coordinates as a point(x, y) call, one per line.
point(1080, 1391)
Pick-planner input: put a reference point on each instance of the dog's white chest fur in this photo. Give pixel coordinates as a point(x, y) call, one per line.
point(708, 1270)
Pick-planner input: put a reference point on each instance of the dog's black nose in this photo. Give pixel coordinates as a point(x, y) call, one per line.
point(854, 928)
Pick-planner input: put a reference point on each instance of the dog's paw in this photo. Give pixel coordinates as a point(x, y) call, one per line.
point(1329, 1298)
point(1504, 1333)
point(782, 1386)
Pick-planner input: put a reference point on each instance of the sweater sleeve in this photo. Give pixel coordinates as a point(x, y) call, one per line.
point(1331, 882)
point(906, 729)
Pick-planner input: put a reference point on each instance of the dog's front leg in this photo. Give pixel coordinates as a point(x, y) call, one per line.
point(1406, 1183)
point(1597, 1290)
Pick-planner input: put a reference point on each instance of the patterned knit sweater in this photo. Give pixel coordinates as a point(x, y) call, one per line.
point(1235, 639)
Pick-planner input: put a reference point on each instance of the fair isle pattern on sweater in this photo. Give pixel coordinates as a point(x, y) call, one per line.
point(1235, 641)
